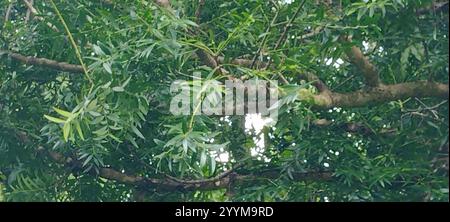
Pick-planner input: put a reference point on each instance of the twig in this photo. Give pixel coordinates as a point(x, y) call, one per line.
point(28, 15)
point(286, 30)
point(343, 82)
point(264, 39)
point(35, 12)
point(198, 12)
point(74, 45)
point(217, 178)
point(8, 12)
point(282, 38)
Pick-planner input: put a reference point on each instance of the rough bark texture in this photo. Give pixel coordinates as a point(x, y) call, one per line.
point(47, 63)
point(172, 184)
point(381, 94)
point(376, 93)
point(368, 70)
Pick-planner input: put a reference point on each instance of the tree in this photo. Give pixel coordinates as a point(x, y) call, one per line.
point(85, 97)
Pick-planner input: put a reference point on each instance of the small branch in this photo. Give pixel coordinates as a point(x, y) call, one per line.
point(28, 15)
point(311, 34)
point(288, 26)
point(52, 64)
point(74, 44)
point(240, 62)
point(353, 127)
point(163, 3)
point(369, 71)
point(435, 7)
point(283, 36)
point(198, 12)
point(264, 40)
point(8, 12)
point(35, 13)
point(217, 178)
point(314, 80)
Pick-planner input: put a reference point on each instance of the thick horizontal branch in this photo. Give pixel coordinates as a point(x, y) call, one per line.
point(222, 181)
point(44, 62)
point(381, 94)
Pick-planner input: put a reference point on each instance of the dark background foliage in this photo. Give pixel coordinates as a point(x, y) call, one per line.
point(107, 135)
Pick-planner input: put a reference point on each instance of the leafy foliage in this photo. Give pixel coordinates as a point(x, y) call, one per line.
point(116, 115)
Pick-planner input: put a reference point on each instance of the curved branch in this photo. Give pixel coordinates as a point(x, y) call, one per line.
point(8, 12)
point(314, 80)
point(369, 70)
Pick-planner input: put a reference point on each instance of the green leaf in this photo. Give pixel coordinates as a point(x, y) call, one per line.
point(107, 67)
point(98, 50)
point(371, 11)
point(53, 119)
point(383, 10)
point(115, 138)
point(102, 131)
point(137, 132)
point(213, 165)
point(185, 146)
point(126, 82)
point(80, 132)
point(118, 89)
point(361, 13)
point(66, 131)
point(191, 23)
point(87, 160)
point(63, 113)
point(203, 159)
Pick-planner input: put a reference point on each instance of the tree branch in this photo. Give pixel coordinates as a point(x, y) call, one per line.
point(435, 7)
point(380, 94)
point(220, 182)
point(35, 13)
point(198, 12)
point(314, 80)
point(28, 14)
point(44, 62)
point(369, 71)
point(163, 3)
point(8, 12)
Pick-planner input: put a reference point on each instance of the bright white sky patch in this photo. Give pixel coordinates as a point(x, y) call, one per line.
point(256, 123)
point(223, 157)
point(336, 63)
point(366, 45)
point(286, 2)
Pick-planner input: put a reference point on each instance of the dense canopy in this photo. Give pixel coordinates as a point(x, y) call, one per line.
point(85, 93)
